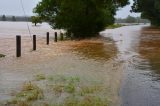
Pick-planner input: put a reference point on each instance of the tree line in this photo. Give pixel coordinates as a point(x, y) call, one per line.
point(34, 19)
point(15, 18)
point(131, 19)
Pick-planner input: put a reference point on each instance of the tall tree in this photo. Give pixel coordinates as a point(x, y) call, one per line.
point(150, 9)
point(82, 18)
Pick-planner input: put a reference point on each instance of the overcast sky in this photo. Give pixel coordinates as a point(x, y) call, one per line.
point(13, 7)
point(125, 11)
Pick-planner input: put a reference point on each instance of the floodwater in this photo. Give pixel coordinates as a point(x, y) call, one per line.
point(11, 29)
point(91, 60)
point(139, 48)
point(132, 58)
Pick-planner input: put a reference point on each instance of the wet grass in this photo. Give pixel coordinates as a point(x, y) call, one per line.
point(77, 93)
point(2, 55)
point(114, 26)
point(61, 84)
point(69, 91)
point(86, 101)
point(90, 89)
point(30, 92)
point(40, 77)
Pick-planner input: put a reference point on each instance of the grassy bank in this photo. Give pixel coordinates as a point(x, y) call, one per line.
point(114, 26)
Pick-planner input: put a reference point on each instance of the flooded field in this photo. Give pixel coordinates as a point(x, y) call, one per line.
point(60, 74)
point(102, 72)
point(11, 29)
point(139, 48)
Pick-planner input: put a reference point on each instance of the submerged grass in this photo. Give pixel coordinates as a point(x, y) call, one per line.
point(77, 93)
point(30, 92)
point(85, 101)
point(40, 77)
point(60, 84)
point(71, 91)
point(93, 101)
point(90, 89)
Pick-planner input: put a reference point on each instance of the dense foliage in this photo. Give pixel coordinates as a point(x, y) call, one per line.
point(150, 9)
point(82, 18)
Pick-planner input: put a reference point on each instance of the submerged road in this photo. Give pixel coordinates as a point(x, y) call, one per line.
point(139, 48)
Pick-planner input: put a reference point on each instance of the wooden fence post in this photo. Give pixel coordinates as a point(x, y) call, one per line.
point(47, 38)
point(34, 42)
point(18, 46)
point(55, 37)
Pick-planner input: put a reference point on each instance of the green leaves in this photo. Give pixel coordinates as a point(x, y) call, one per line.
point(36, 19)
point(82, 18)
point(150, 9)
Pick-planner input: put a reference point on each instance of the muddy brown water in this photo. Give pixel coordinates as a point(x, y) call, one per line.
point(93, 59)
point(138, 59)
point(139, 47)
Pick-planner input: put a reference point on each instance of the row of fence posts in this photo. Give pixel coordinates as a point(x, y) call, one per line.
point(18, 42)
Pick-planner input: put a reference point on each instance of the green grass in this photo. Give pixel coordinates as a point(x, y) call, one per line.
point(30, 92)
point(70, 88)
point(114, 26)
point(40, 77)
point(90, 89)
point(61, 84)
point(79, 94)
point(71, 101)
point(85, 101)
point(2, 55)
point(93, 101)
point(66, 91)
point(58, 88)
